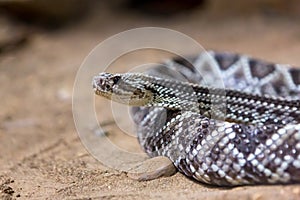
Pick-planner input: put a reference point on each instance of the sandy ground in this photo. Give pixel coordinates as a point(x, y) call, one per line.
point(41, 154)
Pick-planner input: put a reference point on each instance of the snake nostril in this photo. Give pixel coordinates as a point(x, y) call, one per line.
point(100, 81)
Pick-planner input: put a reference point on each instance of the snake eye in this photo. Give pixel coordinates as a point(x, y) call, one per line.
point(107, 87)
point(116, 79)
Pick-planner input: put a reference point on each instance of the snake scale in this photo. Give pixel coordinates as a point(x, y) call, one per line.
point(245, 134)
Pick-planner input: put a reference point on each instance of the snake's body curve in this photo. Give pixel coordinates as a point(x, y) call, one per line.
point(247, 134)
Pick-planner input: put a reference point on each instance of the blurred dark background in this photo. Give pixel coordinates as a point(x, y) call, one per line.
point(56, 13)
point(20, 18)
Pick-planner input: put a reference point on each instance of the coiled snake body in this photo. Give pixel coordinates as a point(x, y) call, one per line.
point(247, 133)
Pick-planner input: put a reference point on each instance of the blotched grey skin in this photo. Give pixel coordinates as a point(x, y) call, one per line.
point(248, 133)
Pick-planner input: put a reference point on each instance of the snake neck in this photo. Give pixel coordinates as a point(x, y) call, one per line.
point(222, 104)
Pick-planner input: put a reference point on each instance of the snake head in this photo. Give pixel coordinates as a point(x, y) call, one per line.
point(121, 88)
point(103, 83)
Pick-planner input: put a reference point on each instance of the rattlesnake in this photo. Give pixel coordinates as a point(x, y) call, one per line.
point(248, 133)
